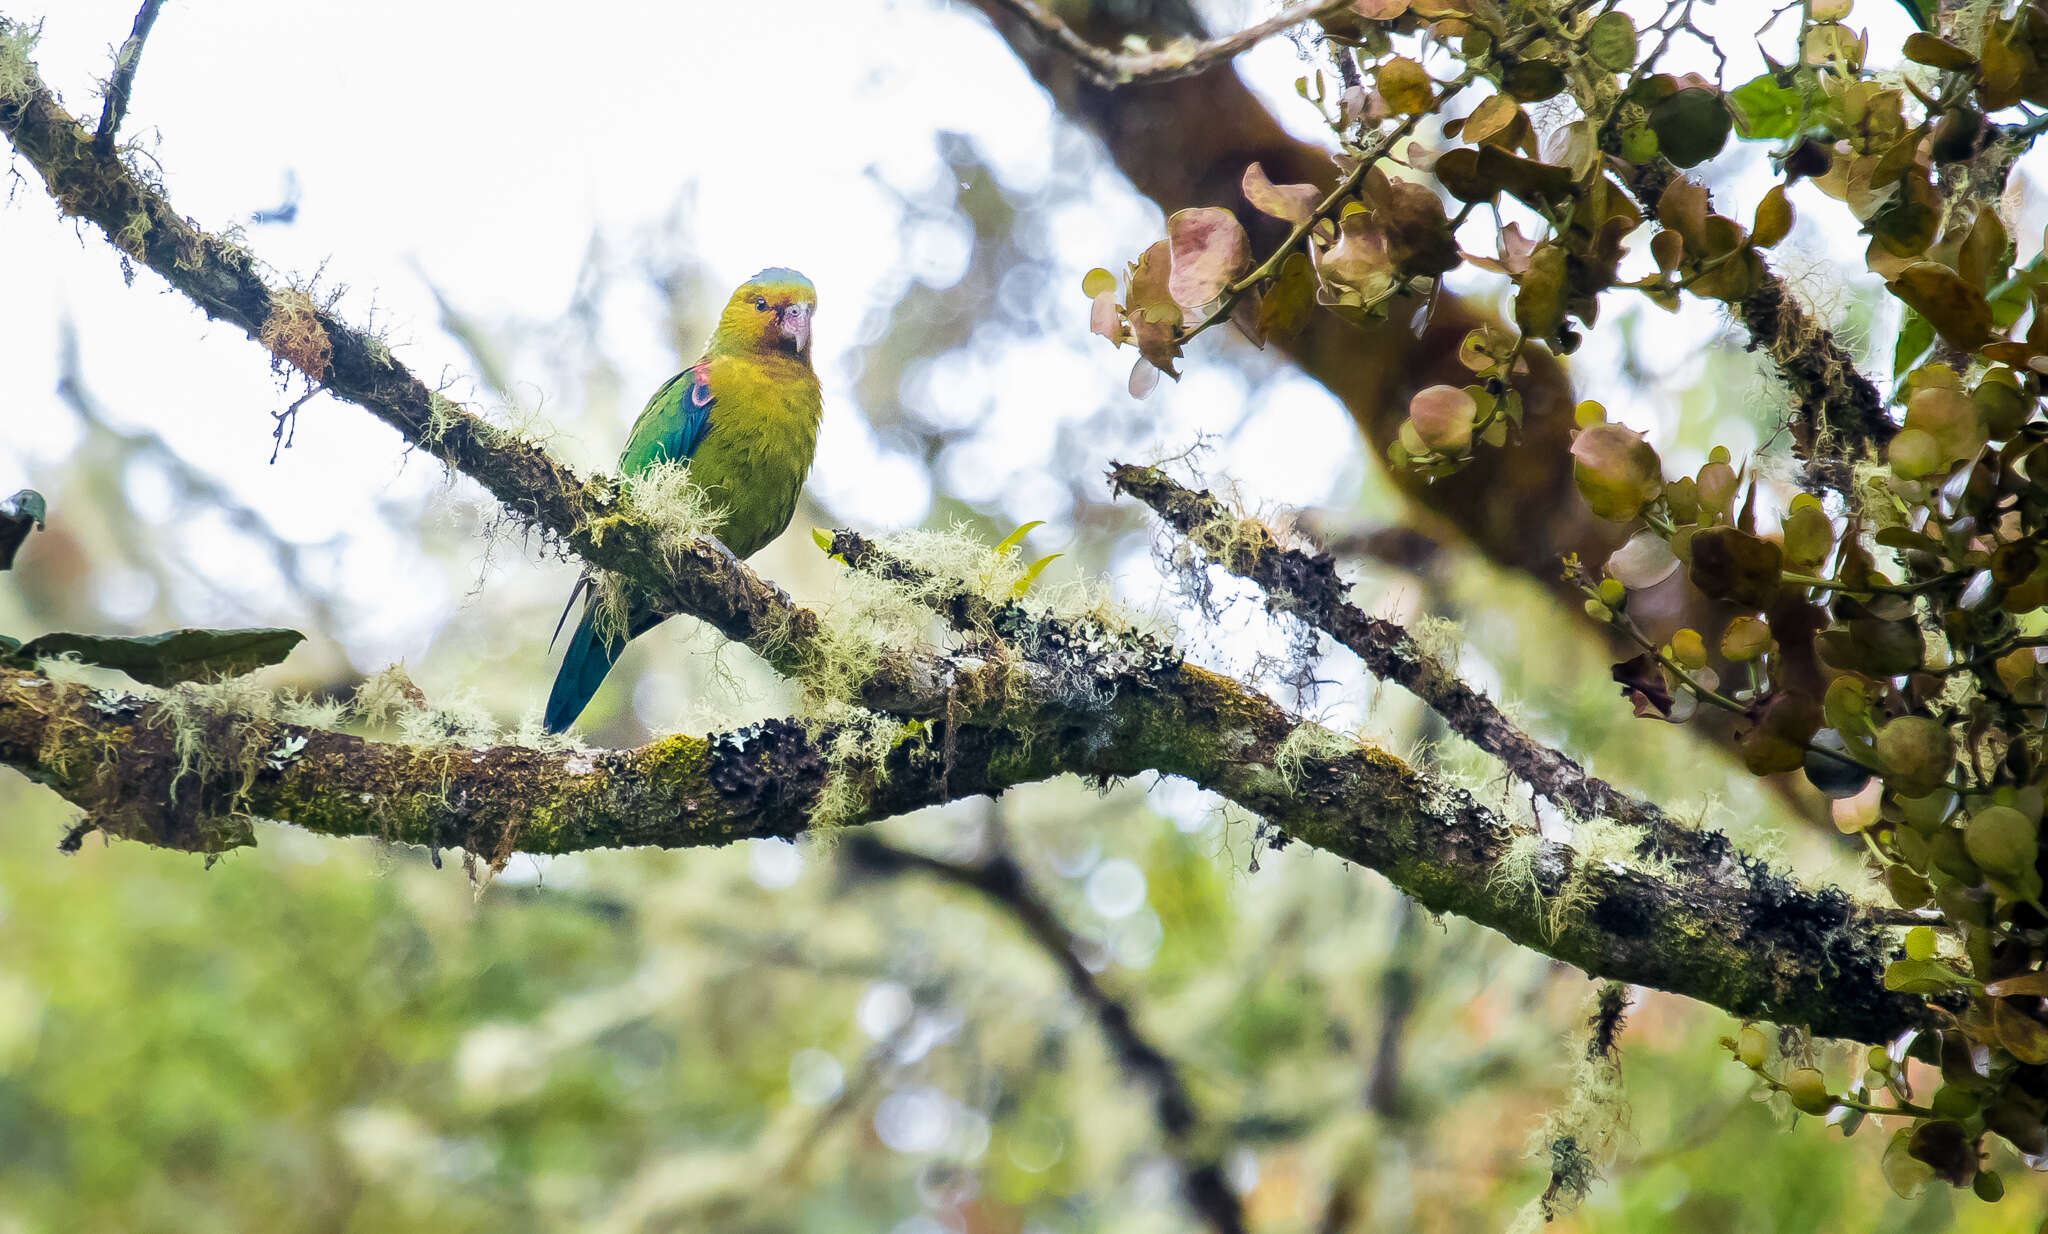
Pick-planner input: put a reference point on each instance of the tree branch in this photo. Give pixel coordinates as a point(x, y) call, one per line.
point(1368, 806)
point(1182, 58)
point(1003, 881)
point(1839, 414)
point(126, 61)
point(1308, 587)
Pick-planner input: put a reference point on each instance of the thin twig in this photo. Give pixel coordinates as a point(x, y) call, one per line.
point(1308, 587)
point(1111, 70)
point(126, 61)
point(1000, 879)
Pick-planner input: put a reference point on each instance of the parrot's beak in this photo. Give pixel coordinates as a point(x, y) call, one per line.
point(796, 327)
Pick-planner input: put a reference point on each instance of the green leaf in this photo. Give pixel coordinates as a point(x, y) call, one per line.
point(1923, 977)
point(2011, 296)
point(823, 539)
point(1032, 572)
point(175, 655)
point(1016, 537)
point(1765, 110)
point(1921, 11)
point(18, 514)
point(1916, 335)
point(1612, 41)
point(1691, 125)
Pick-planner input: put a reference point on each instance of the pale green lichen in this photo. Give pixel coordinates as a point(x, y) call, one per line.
point(306, 711)
point(389, 699)
point(679, 513)
point(1309, 741)
point(867, 619)
point(385, 695)
point(219, 728)
point(442, 414)
point(855, 763)
point(1515, 872)
point(462, 721)
point(1441, 639)
point(1580, 1139)
point(17, 71)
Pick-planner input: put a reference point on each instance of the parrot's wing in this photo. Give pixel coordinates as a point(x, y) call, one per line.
point(673, 422)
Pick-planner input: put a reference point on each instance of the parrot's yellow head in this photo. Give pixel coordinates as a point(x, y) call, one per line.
point(768, 313)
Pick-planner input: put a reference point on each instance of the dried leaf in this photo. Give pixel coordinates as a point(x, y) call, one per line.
point(1292, 202)
point(1207, 250)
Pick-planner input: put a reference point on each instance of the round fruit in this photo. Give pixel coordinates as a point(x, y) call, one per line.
point(1808, 1089)
point(2002, 840)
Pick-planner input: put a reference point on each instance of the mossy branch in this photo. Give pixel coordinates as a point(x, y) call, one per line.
point(1766, 949)
point(1730, 932)
point(1306, 585)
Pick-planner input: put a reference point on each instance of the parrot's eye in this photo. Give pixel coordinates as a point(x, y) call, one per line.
point(761, 302)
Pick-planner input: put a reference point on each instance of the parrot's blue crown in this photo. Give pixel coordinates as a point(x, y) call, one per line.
point(781, 276)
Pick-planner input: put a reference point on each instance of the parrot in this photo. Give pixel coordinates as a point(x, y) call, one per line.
point(744, 419)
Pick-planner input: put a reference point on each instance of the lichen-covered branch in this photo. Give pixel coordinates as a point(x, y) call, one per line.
point(190, 768)
point(1839, 415)
point(1182, 58)
point(1433, 840)
point(1306, 585)
point(182, 773)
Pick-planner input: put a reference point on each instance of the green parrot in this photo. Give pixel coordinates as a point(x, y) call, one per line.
point(745, 418)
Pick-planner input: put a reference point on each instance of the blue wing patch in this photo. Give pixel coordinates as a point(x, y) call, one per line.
point(696, 418)
point(674, 422)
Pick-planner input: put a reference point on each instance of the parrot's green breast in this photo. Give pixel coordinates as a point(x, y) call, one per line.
point(760, 435)
point(758, 448)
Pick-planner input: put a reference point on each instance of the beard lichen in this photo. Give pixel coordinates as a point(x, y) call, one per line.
point(294, 335)
point(1580, 1138)
point(17, 71)
point(1309, 740)
point(856, 762)
point(679, 513)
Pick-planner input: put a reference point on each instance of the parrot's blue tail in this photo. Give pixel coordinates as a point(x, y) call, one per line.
point(589, 658)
